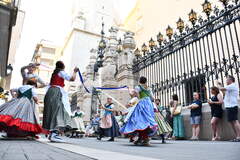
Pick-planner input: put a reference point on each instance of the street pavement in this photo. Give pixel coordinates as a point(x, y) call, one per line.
point(34, 150)
point(173, 150)
point(90, 148)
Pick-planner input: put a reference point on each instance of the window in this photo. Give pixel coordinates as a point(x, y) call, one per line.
point(48, 50)
point(195, 84)
point(47, 62)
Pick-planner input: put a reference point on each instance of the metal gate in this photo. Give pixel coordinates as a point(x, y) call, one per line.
point(192, 59)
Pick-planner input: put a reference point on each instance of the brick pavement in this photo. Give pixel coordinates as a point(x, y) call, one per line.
point(33, 150)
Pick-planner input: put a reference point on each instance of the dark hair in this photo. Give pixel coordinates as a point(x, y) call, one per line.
point(157, 99)
point(142, 80)
point(175, 97)
point(216, 89)
point(231, 78)
point(199, 96)
point(1, 89)
point(58, 67)
point(32, 83)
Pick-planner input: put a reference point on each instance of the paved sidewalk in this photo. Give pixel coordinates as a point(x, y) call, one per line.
point(98, 154)
point(173, 150)
point(84, 148)
point(34, 150)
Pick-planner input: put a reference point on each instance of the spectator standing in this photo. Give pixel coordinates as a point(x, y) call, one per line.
point(216, 102)
point(231, 92)
point(196, 115)
point(178, 126)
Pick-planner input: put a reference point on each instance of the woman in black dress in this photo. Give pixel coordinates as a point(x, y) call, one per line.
point(216, 102)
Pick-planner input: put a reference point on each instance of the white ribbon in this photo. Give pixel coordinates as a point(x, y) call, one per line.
point(120, 104)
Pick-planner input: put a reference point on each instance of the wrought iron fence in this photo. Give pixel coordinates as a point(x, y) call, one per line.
point(192, 59)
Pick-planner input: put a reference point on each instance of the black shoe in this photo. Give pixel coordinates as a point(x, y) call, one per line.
point(111, 140)
point(99, 138)
point(138, 142)
point(146, 142)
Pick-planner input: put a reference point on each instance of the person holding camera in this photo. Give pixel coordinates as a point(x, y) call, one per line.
point(231, 96)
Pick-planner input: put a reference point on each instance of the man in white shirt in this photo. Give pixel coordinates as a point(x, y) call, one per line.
point(231, 92)
point(27, 73)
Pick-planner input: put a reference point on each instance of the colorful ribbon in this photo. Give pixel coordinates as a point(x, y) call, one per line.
point(100, 88)
point(113, 88)
point(81, 79)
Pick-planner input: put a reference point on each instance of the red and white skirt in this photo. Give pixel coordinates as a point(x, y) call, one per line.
point(17, 118)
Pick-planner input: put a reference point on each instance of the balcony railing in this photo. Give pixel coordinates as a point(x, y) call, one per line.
point(10, 3)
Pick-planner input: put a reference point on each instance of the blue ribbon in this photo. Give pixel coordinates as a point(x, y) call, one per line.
point(101, 88)
point(114, 88)
point(81, 79)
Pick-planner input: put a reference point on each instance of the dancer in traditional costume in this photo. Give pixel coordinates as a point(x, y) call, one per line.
point(27, 73)
point(57, 112)
point(108, 124)
point(17, 117)
point(141, 121)
point(163, 126)
point(78, 119)
point(131, 105)
point(130, 108)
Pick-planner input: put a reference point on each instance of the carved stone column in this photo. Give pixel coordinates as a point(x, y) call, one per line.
point(125, 62)
point(108, 71)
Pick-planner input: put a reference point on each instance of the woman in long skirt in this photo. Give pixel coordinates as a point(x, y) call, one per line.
point(17, 117)
point(57, 111)
point(142, 122)
point(108, 123)
point(178, 126)
point(163, 126)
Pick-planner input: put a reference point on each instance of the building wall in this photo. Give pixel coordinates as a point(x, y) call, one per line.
point(15, 41)
point(5, 17)
point(77, 50)
point(93, 11)
point(14, 44)
point(84, 35)
point(153, 16)
point(16, 36)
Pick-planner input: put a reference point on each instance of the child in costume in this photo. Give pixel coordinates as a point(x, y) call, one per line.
point(163, 126)
point(108, 124)
point(131, 105)
point(78, 118)
point(142, 122)
point(130, 108)
point(17, 117)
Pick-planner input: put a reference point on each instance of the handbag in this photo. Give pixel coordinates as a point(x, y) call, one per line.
point(177, 111)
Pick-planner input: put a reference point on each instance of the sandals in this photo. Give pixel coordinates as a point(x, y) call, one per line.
point(235, 140)
point(216, 139)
